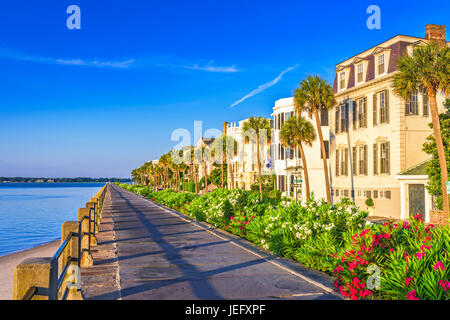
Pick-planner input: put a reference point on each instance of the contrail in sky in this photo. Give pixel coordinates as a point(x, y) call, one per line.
point(263, 86)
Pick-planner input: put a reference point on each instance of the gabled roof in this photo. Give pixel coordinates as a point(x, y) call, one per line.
point(417, 170)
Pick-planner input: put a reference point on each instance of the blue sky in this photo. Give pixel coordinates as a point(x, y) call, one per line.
point(102, 100)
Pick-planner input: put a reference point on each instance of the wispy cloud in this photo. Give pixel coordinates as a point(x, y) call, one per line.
point(263, 86)
point(17, 55)
point(211, 68)
point(158, 61)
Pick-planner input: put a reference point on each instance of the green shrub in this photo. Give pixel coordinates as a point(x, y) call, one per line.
point(413, 259)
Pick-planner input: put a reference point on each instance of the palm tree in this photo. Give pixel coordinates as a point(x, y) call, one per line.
point(428, 69)
point(134, 175)
point(223, 149)
point(252, 130)
point(313, 95)
point(294, 132)
point(164, 162)
point(203, 157)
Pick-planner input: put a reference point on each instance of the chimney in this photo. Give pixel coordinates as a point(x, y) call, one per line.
point(436, 33)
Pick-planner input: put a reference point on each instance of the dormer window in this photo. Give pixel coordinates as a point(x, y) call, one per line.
point(360, 73)
point(342, 80)
point(381, 67)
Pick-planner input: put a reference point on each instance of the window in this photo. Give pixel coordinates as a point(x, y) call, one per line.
point(425, 104)
point(326, 144)
point(287, 116)
point(354, 162)
point(282, 183)
point(387, 194)
point(362, 150)
point(342, 80)
point(381, 64)
point(337, 192)
point(290, 153)
point(362, 112)
point(346, 193)
point(384, 158)
point(360, 73)
point(412, 108)
point(375, 194)
point(381, 107)
point(323, 117)
point(375, 159)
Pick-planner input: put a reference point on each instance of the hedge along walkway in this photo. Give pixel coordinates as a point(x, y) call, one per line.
point(147, 251)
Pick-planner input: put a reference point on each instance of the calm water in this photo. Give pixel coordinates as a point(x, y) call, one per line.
point(32, 213)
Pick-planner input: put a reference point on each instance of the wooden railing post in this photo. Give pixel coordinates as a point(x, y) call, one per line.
point(39, 273)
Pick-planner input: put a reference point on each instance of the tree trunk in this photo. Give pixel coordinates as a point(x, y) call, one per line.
point(324, 155)
point(206, 178)
point(305, 170)
point(231, 173)
point(195, 179)
point(440, 151)
point(221, 168)
point(258, 160)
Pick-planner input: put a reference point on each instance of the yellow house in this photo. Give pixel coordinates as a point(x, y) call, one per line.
point(377, 136)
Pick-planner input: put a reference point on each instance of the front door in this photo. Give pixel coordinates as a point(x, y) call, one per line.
point(416, 199)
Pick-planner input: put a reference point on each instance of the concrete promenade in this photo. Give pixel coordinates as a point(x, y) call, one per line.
point(146, 251)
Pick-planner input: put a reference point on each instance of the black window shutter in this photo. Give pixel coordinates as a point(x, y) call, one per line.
point(388, 158)
point(365, 160)
point(346, 161)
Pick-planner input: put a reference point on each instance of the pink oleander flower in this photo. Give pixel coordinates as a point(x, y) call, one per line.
point(419, 255)
point(412, 295)
point(422, 247)
point(408, 281)
point(439, 265)
point(444, 284)
point(231, 218)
